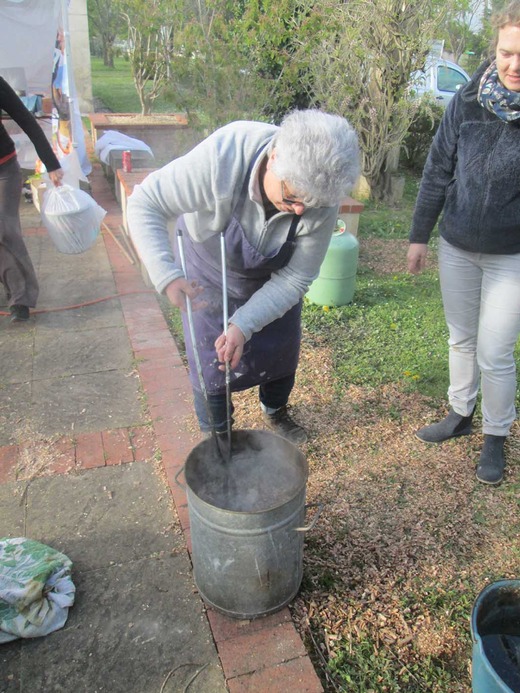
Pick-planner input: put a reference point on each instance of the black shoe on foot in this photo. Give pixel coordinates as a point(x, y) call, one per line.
point(492, 461)
point(450, 427)
point(19, 313)
point(280, 422)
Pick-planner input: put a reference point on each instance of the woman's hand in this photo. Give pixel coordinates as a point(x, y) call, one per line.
point(230, 346)
point(56, 176)
point(179, 288)
point(417, 257)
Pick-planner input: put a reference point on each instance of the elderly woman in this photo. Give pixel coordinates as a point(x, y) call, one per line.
point(472, 176)
point(274, 193)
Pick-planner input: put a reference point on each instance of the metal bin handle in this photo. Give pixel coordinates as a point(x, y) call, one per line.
point(314, 519)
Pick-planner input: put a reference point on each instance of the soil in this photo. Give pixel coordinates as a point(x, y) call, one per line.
point(138, 119)
point(383, 256)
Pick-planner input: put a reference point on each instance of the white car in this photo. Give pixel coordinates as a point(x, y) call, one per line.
point(441, 78)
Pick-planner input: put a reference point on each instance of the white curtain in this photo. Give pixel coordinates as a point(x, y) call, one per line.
point(28, 32)
point(28, 35)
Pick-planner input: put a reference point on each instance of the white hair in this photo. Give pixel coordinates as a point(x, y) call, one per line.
point(317, 155)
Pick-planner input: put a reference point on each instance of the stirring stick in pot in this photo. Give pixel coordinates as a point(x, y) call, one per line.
point(225, 320)
point(195, 350)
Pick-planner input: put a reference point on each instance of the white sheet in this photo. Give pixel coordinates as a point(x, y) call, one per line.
point(36, 22)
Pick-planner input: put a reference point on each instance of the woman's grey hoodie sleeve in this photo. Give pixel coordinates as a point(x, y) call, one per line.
point(184, 185)
point(438, 173)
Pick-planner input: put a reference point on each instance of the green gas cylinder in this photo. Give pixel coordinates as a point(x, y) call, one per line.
point(336, 282)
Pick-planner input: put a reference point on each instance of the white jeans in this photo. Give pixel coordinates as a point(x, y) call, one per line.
point(481, 297)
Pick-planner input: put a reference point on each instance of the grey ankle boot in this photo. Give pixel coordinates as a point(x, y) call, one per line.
point(450, 427)
point(492, 461)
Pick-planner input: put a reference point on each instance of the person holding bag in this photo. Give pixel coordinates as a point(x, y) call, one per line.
point(16, 269)
point(472, 176)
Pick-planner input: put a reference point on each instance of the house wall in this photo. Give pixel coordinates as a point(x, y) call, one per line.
point(80, 49)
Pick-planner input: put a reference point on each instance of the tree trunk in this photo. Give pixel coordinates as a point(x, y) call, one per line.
point(146, 105)
point(108, 55)
point(389, 186)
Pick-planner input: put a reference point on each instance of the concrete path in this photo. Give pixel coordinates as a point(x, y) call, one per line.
point(95, 422)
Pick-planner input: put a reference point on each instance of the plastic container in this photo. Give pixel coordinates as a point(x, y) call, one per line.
point(336, 283)
point(495, 629)
point(72, 217)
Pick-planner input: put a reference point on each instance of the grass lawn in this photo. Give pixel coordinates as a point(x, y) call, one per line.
point(116, 88)
point(407, 537)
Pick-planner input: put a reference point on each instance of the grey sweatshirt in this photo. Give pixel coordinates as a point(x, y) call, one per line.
point(472, 176)
point(204, 185)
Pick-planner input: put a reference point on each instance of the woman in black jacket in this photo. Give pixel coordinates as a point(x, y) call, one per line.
point(16, 269)
point(472, 176)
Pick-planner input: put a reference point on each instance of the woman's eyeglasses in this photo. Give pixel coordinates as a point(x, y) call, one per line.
point(288, 199)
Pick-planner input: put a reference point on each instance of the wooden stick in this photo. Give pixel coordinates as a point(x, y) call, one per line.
point(123, 250)
point(128, 243)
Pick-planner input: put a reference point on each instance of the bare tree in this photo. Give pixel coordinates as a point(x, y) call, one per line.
point(363, 68)
point(213, 74)
point(461, 28)
point(150, 46)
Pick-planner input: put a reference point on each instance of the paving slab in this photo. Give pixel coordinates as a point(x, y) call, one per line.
point(50, 258)
point(103, 314)
point(87, 402)
point(16, 355)
point(137, 616)
point(10, 667)
point(67, 371)
point(12, 517)
point(129, 618)
point(14, 401)
point(29, 215)
point(81, 351)
point(111, 515)
point(69, 405)
point(73, 290)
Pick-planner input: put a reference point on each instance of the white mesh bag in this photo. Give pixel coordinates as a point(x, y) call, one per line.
point(72, 217)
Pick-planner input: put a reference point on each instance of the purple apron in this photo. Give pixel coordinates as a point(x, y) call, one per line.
point(271, 353)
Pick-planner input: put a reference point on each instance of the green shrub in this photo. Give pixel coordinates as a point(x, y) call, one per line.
point(421, 132)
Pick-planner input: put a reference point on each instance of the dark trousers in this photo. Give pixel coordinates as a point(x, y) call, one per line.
point(274, 394)
point(16, 269)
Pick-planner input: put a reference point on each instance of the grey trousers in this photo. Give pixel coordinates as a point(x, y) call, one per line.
point(481, 297)
point(16, 269)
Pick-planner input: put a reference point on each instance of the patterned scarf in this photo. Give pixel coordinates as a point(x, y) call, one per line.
point(496, 98)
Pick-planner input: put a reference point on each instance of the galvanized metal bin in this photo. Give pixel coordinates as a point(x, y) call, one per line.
point(246, 520)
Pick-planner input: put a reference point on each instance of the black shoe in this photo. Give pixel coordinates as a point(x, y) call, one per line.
point(280, 422)
point(450, 427)
point(492, 461)
point(19, 313)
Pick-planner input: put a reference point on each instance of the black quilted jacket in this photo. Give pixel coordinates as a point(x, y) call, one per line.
point(472, 177)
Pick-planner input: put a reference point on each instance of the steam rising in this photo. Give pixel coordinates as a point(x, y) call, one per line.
point(264, 472)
